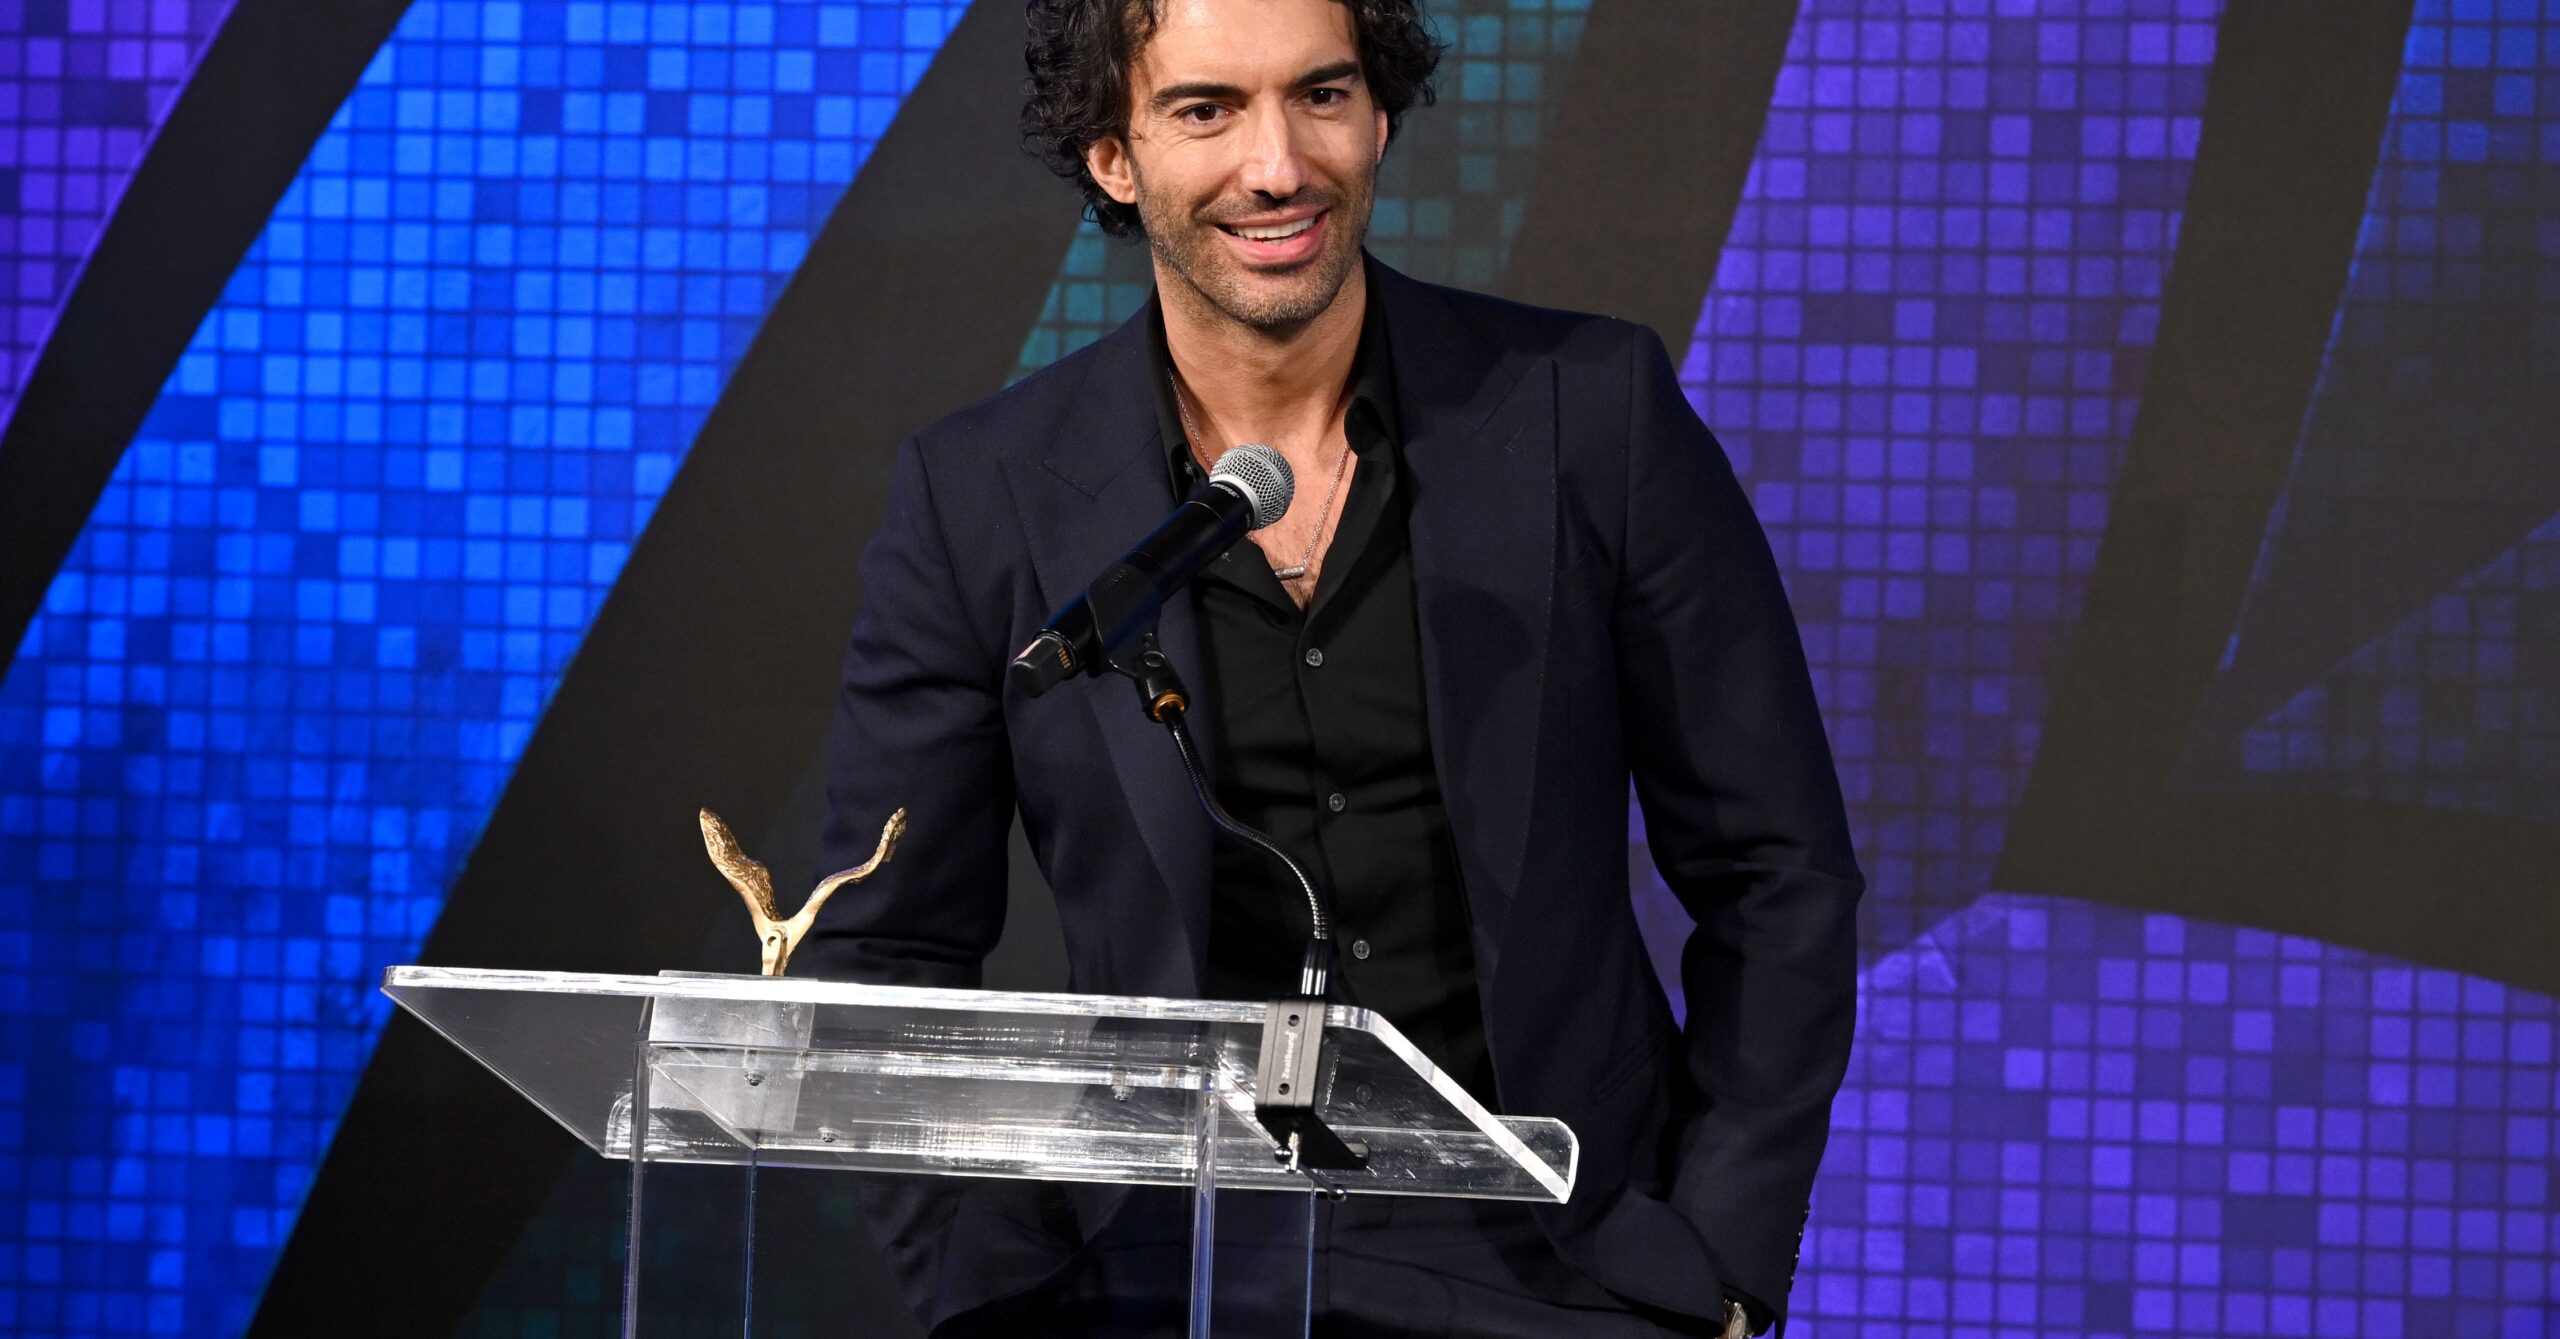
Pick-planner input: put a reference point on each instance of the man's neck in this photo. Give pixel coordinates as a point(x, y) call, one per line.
point(1286, 383)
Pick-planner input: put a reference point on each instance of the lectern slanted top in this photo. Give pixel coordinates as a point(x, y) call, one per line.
point(780, 1071)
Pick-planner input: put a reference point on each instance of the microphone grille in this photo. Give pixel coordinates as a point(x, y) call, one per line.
point(1257, 472)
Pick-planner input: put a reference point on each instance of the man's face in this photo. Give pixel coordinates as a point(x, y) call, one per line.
point(1252, 154)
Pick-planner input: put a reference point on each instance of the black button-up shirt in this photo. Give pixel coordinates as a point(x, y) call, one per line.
point(1317, 737)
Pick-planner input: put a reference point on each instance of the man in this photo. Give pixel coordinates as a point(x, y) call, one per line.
point(1516, 573)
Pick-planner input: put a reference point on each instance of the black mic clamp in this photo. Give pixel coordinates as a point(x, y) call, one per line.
point(1249, 489)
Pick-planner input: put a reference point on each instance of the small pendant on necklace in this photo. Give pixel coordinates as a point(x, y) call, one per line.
point(1289, 573)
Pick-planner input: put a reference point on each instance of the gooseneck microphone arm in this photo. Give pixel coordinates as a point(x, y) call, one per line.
point(1160, 688)
point(1291, 1075)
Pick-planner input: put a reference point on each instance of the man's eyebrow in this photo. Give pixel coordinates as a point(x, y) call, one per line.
point(1201, 89)
point(1326, 74)
point(1173, 93)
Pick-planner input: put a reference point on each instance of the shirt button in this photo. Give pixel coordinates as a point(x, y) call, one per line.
point(1336, 802)
point(1360, 949)
point(1315, 658)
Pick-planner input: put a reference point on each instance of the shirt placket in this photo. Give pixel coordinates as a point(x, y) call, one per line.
point(1319, 672)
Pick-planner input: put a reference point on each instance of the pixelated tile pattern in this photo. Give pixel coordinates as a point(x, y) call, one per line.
point(1923, 349)
point(83, 86)
point(2072, 1120)
point(284, 674)
point(2455, 707)
point(2439, 380)
point(1450, 191)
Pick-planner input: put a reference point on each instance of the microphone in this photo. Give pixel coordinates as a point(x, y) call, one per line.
point(1248, 490)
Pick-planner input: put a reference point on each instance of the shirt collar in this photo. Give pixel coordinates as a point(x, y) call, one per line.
point(1371, 421)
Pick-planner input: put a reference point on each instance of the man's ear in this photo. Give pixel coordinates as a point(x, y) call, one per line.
point(1108, 160)
point(1381, 155)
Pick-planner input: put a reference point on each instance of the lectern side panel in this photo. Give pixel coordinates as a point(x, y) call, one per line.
point(1423, 1134)
point(1108, 1099)
point(568, 1054)
point(992, 1093)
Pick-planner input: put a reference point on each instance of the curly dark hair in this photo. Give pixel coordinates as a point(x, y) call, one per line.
point(1079, 54)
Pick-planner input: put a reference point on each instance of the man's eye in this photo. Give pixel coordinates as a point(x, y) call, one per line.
point(1201, 113)
point(1327, 97)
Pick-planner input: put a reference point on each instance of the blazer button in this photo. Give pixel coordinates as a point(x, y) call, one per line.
point(1360, 949)
point(1315, 658)
point(1336, 802)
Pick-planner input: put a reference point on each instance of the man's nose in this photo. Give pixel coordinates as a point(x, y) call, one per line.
point(1275, 163)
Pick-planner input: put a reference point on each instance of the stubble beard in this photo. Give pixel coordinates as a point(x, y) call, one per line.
point(1187, 245)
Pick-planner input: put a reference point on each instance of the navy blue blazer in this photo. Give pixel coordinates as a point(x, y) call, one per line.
point(1597, 603)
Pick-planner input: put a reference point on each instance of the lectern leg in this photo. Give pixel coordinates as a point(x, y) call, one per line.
point(1204, 1204)
point(634, 1219)
point(747, 1262)
point(690, 1246)
point(1282, 1264)
point(1252, 1251)
point(1309, 1206)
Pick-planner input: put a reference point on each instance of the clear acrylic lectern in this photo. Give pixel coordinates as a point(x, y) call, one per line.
point(744, 1072)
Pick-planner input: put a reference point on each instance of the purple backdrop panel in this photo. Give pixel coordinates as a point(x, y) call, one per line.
point(1923, 348)
point(2067, 1119)
point(2402, 638)
point(83, 87)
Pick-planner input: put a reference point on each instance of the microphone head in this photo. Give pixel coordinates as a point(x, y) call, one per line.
point(1259, 474)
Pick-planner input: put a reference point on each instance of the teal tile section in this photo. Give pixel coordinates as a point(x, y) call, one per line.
point(1450, 193)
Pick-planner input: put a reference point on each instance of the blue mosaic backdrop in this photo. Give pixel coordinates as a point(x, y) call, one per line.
point(282, 678)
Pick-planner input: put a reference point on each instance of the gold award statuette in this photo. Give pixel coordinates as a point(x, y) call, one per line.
point(780, 936)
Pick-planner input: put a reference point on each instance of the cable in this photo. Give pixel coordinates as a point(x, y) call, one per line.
point(1227, 823)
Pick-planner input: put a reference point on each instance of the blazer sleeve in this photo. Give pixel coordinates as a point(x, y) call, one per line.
point(919, 725)
point(1743, 813)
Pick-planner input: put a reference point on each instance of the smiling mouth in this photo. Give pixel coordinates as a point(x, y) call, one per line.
point(1277, 232)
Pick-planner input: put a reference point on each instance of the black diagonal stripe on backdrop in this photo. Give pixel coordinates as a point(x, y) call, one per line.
point(1644, 165)
point(266, 87)
point(706, 680)
point(2300, 93)
point(2294, 112)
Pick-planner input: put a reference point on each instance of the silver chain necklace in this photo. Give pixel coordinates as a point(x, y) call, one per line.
point(1307, 559)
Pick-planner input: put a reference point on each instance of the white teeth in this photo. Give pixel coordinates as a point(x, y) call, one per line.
point(1284, 230)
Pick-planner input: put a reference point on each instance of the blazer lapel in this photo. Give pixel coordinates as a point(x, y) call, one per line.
point(1084, 499)
point(1479, 427)
point(1479, 454)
